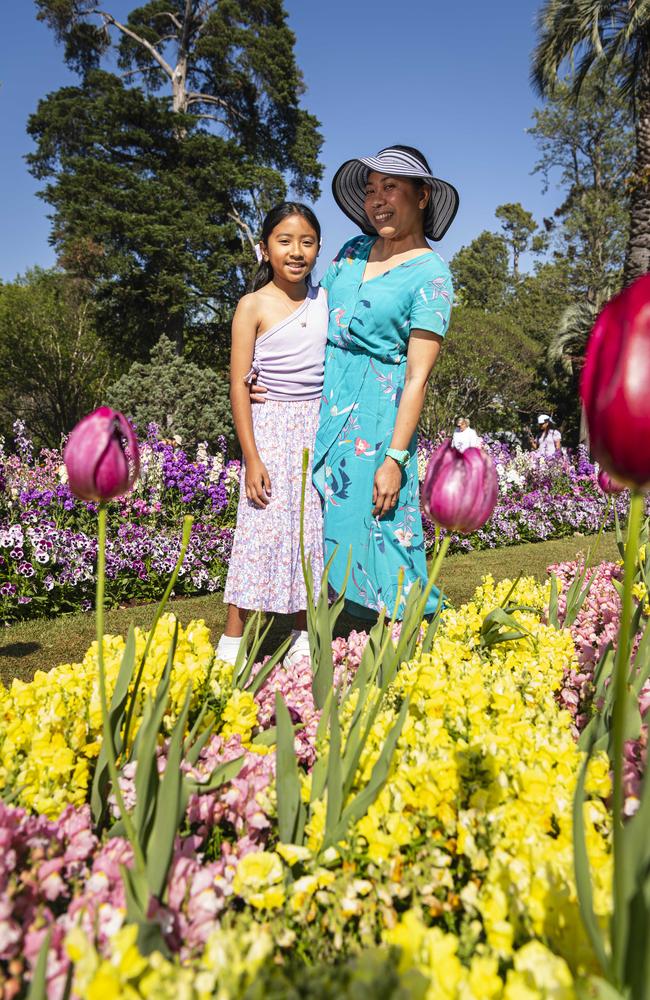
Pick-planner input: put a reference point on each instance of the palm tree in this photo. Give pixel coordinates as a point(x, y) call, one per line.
point(611, 35)
point(566, 347)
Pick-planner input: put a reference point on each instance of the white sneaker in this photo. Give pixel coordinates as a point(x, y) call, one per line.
point(297, 651)
point(227, 649)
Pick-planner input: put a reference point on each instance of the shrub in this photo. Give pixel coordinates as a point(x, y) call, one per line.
point(177, 395)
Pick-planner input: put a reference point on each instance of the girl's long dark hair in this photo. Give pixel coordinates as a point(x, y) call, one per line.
point(264, 273)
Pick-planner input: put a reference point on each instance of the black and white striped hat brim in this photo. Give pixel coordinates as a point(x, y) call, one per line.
point(349, 186)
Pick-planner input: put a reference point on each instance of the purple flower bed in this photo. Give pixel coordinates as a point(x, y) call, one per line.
point(539, 499)
point(48, 544)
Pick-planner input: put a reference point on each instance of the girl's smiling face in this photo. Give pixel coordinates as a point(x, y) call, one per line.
point(395, 205)
point(291, 249)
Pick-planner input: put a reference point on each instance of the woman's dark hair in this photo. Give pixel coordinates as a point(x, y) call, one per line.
point(264, 273)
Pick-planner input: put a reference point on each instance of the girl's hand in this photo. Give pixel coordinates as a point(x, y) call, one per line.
point(258, 483)
point(386, 487)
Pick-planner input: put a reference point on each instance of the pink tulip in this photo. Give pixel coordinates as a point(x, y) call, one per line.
point(609, 485)
point(460, 488)
point(614, 385)
point(102, 456)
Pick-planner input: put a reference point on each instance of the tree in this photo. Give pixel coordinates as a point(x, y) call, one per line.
point(520, 231)
point(539, 299)
point(588, 144)
point(158, 178)
point(54, 368)
point(177, 395)
point(606, 36)
point(488, 371)
point(480, 272)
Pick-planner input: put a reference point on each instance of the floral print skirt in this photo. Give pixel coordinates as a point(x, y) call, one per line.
point(265, 571)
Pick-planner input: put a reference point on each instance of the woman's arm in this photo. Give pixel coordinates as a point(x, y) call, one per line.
point(244, 331)
point(423, 351)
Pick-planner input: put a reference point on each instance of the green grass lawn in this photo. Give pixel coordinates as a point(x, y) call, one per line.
point(40, 645)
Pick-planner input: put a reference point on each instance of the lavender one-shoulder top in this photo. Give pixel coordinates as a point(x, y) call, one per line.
point(289, 358)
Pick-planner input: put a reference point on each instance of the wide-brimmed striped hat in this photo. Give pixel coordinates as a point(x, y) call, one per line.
point(349, 186)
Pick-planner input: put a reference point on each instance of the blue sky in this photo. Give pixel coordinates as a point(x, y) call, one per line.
point(450, 78)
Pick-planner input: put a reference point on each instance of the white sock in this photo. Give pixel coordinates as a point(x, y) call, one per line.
point(299, 636)
point(228, 647)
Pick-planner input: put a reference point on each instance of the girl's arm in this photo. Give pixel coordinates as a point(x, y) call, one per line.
point(423, 351)
point(244, 330)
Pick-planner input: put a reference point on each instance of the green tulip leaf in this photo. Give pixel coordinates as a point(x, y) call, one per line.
point(38, 985)
point(291, 810)
point(552, 603)
point(116, 713)
point(583, 871)
point(168, 808)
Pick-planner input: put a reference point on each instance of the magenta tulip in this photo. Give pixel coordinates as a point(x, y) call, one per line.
point(460, 488)
point(609, 485)
point(615, 385)
point(102, 456)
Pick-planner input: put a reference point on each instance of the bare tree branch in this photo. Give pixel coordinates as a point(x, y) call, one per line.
point(212, 118)
point(168, 13)
point(151, 49)
point(243, 225)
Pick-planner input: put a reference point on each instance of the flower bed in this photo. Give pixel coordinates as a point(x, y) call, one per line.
point(595, 628)
point(48, 545)
point(463, 863)
point(539, 499)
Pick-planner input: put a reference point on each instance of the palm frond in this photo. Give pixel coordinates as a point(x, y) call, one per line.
point(590, 31)
point(569, 340)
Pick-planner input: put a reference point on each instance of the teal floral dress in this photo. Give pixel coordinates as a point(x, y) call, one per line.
point(365, 365)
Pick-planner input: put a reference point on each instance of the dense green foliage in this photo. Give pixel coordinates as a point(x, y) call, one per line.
point(158, 177)
point(54, 367)
point(175, 393)
point(487, 371)
point(480, 272)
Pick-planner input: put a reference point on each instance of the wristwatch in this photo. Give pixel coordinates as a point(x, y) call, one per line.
point(401, 457)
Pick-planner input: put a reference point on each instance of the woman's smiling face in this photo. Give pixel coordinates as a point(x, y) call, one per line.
point(395, 205)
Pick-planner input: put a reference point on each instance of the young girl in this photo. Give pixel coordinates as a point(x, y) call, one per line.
point(278, 333)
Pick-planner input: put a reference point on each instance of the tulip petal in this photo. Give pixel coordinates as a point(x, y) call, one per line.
point(614, 385)
point(101, 455)
point(460, 489)
point(112, 470)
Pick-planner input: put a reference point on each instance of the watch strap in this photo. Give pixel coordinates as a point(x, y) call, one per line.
point(400, 456)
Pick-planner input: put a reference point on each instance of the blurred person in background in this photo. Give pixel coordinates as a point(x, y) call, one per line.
point(549, 441)
point(465, 436)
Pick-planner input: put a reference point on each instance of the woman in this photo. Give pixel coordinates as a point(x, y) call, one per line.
point(389, 301)
point(550, 439)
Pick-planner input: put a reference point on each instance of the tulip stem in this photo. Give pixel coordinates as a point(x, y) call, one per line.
point(621, 678)
point(106, 725)
point(441, 551)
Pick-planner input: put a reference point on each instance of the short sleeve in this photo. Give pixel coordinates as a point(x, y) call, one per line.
point(432, 301)
point(348, 249)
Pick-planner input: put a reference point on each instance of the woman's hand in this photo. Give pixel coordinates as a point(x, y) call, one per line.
point(386, 487)
point(257, 392)
point(258, 483)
